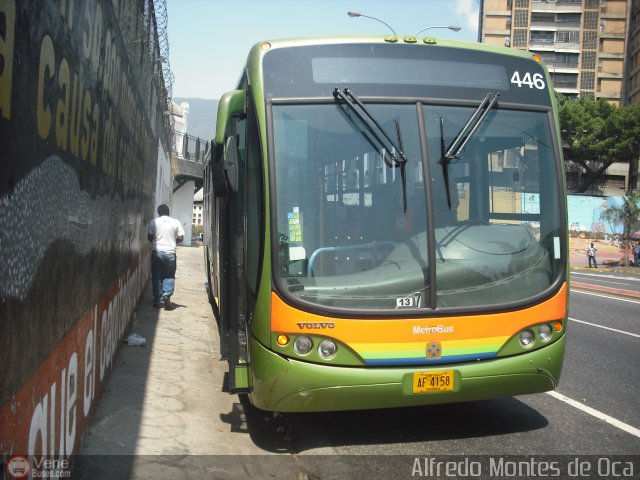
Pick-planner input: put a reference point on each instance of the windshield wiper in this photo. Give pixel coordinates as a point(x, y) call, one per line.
point(448, 155)
point(392, 154)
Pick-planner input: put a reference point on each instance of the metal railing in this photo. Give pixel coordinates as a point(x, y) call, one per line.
point(553, 24)
point(551, 64)
point(191, 148)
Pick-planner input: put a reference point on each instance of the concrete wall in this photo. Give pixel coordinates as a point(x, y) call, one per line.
point(182, 208)
point(79, 125)
point(182, 201)
point(584, 214)
point(164, 184)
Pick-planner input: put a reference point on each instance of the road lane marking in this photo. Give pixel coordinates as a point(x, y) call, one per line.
point(608, 281)
point(606, 328)
point(596, 413)
point(604, 296)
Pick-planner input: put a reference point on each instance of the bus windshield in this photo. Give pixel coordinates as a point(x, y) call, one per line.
point(480, 230)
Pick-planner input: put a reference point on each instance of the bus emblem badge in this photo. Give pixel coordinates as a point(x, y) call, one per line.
point(434, 350)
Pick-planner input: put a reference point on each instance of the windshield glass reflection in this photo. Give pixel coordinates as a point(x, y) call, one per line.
point(344, 239)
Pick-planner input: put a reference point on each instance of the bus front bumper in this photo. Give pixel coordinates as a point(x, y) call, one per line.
point(288, 385)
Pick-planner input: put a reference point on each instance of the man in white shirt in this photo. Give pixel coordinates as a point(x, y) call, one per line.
point(591, 255)
point(164, 232)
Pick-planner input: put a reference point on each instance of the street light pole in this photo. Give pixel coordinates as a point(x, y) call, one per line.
point(455, 28)
point(356, 14)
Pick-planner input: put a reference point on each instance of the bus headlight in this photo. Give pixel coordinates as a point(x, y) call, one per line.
point(544, 332)
point(302, 345)
point(327, 349)
point(526, 338)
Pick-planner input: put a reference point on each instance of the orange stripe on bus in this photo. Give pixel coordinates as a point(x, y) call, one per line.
point(288, 319)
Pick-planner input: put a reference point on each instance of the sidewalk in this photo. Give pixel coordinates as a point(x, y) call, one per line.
point(578, 263)
point(609, 256)
point(163, 404)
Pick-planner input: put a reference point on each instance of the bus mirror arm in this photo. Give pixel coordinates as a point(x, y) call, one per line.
point(218, 178)
point(231, 163)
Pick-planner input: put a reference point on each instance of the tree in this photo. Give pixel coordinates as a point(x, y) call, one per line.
point(597, 134)
point(626, 214)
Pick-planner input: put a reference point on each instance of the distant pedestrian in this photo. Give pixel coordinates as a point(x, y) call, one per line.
point(591, 255)
point(164, 232)
point(636, 254)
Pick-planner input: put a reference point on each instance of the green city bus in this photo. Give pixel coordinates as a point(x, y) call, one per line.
point(385, 224)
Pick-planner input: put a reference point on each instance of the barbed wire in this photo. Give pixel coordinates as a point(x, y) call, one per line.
point(158, 43)
point(162, 23)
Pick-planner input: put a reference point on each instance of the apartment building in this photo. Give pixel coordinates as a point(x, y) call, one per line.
point(633, 57)
point(591, 47)
point(582, 42)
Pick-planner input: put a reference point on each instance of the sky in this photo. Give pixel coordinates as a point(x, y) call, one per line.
point(209, 40)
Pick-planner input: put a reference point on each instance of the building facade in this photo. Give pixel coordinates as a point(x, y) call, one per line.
point(590, 47)
point(582, 42)
point(633, 56)
point(197, 208)
point(189, 156)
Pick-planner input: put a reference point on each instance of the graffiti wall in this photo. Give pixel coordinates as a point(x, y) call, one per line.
point(584, 213)
point(80, 117)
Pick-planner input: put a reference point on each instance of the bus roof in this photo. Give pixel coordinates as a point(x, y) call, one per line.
point(415, 67)
point(388, 39)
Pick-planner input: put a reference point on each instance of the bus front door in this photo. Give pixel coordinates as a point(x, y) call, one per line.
point(234, 314)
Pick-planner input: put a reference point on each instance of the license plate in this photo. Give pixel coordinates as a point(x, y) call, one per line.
point(441, 381)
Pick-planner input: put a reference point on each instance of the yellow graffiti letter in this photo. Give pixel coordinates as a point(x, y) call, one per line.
point(62, 110)
point(47, 69)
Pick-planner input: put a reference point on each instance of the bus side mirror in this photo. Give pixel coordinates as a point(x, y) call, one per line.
point(218, 178)
point(231, 163)
point(230, 108)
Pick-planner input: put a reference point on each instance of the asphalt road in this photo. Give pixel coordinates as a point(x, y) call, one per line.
point(605, 335)
point(595, 411)
point(616, 282)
